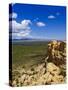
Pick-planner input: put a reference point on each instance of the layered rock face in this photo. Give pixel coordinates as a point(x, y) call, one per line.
point(51, 71)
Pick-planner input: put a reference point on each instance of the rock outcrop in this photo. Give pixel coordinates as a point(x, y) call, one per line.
point(57, 52)
point(42, 76)
point(48, 72)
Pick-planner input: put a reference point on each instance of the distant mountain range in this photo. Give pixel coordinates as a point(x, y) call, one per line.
point(34, 39)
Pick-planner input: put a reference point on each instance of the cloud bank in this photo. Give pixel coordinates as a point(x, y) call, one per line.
point(20, 30)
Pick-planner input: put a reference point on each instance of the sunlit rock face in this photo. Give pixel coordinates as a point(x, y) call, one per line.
point(57, 52)
point(51, 76)
point(51, 71)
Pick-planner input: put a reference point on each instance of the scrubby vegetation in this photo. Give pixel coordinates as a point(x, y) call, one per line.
point(39, 64)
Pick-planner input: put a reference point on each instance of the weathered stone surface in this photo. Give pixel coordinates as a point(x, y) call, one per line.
point(51, 71)
point(58, 79)
point(57, 52)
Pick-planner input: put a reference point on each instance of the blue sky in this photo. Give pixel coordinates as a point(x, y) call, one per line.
point(37, 21)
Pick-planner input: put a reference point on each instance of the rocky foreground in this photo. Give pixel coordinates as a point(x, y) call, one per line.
point(51, 71)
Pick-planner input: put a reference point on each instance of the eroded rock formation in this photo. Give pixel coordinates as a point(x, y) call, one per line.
point(48, 72)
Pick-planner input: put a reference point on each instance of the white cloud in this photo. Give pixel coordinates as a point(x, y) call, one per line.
point(24, 33)
point(20, 30)
point(19, 35)
point(40, 24)
point(51, 17)
point(25, 23)
point(13, 15)
point(15, 26)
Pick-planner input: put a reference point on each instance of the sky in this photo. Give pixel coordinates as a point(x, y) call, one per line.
point(37, 21)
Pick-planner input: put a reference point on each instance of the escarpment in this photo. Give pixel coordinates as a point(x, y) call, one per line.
point(51, 71)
